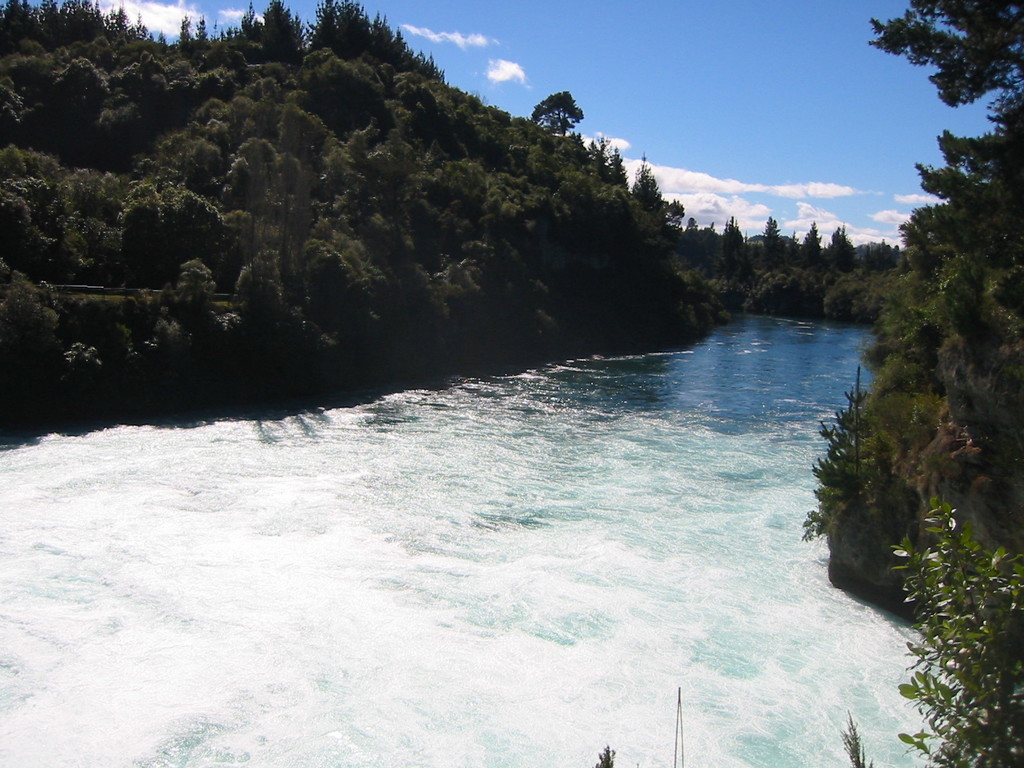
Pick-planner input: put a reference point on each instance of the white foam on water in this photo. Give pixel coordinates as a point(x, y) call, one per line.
point(509, 572)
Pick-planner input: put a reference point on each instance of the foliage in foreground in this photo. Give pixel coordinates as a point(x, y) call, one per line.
point(944, 415)
point(854, 747)
point(969, 679)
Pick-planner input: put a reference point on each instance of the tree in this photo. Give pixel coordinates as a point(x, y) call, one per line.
point(251, 25)
point(976, 47)
point(195, 283)
point(162, 228)
point(854, 747)
point(30, 352)
point(281, 34)
point(646, 190)
point(840, 471)
point(606, 759)
point(976, 50)
point(840, 253)
point(733, 261)
point(969, 681)
point(810, 249)
point(558, 113)
point(774, 247)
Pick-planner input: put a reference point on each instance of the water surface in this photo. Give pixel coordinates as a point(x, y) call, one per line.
point(511, 571)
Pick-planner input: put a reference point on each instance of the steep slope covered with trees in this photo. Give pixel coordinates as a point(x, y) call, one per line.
point(945, 414)
point(921, 491)
point(296, 209)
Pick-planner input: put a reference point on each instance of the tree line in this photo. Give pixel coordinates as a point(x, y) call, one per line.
point(776, 274)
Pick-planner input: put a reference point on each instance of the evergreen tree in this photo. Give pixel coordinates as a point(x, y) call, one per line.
point(326, 31)
point(606, 759)
point(646, 190)
point(975, 49)
point(840, 253)
point(774, 247)
point(251, 25)
point(558, 113)
point(281, 34)
point(733, 262)
point(810, 249)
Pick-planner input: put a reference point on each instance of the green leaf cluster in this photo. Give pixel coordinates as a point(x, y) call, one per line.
point(969, 678)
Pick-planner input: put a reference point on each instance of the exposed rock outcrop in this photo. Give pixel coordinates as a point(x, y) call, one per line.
point(975, 463)
point(861, 556)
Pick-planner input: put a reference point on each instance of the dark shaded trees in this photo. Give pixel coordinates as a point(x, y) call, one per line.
point(774, 247)
point(361, 220)
point(646, 190)
point(163, 228)
point(774, 274)
point(734, 262)
point(559, 112)
point(281, 34)
point(946, 386)
point(840, 253)
point(810, 248)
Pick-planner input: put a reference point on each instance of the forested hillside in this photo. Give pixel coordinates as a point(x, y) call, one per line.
point(922, 488)
point(945, 413)
point(297, 208)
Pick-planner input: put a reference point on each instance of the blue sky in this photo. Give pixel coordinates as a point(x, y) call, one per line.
point(744, 108)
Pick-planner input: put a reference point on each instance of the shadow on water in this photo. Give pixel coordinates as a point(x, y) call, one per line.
point(692, 377)
point(307, 413)
point(308, 423)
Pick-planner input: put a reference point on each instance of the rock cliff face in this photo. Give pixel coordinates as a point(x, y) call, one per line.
point(860, 552)
point(980, 466)
point(975, 462)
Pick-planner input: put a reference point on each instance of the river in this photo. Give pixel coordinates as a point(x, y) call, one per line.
point(510, 571)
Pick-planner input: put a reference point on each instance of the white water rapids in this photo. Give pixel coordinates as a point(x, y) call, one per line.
point(511, 571)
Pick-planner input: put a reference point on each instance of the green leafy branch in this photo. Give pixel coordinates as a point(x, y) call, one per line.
point(969, 678)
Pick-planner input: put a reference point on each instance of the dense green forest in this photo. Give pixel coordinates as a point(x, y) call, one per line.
point(922, 487)
point(776, 274)
point(296, 209)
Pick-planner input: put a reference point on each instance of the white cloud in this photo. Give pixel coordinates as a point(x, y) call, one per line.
point(712, 200)
point(818, 189)
point(916, 199)
point(158, 17)
point(808, 214)
point(230, 15)
point(828, 223)
point(891, 217)
point(501, 71)
point(868, 236)
point(708, 208)
point(475, 40)
point(685, 181)
point(620, 144)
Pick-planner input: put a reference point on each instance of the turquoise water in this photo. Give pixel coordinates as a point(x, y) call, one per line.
point(511, 571)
